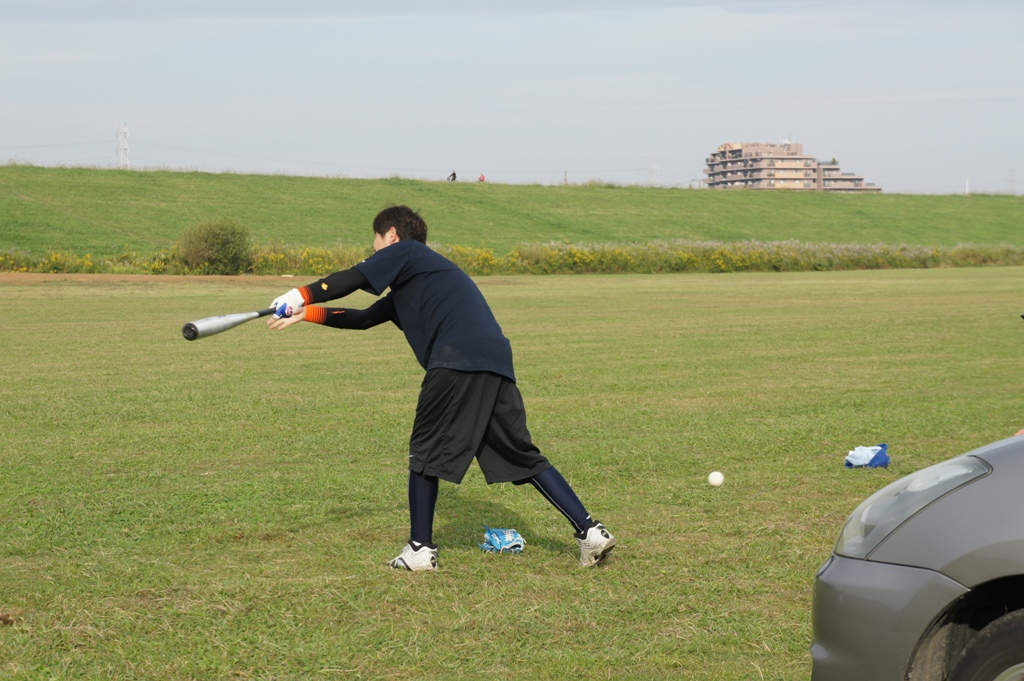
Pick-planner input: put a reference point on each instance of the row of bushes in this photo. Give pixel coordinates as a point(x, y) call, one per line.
point(223, 247)
point(745, 256)
point(269, 260)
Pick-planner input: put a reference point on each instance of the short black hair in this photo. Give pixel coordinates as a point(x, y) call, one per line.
point(407, 223)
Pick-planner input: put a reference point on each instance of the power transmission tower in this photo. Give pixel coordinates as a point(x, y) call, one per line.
point(122, 146)
point(652, 173)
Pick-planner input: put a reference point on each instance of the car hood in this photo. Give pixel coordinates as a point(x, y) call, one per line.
point(973, 534)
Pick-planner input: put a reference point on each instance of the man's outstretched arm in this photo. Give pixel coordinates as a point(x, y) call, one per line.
point(346, 318)
point(341, 318)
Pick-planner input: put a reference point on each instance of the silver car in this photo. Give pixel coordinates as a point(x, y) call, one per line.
point(926, 581)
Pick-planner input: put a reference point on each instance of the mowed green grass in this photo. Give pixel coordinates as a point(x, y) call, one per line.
point(224, 509)
point(105, 212)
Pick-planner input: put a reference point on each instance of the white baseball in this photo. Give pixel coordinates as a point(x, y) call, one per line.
point(716, 479)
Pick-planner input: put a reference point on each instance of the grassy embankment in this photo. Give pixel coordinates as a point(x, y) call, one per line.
point(102, 220)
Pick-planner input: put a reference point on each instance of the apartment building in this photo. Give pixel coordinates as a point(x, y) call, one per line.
point(757, 165)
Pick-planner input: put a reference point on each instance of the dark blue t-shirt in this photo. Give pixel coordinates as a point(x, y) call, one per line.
point(444, 316)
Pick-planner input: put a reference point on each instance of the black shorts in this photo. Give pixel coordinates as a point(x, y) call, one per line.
point(461, 415)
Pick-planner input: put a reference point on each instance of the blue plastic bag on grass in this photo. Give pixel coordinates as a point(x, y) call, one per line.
point(869, 457)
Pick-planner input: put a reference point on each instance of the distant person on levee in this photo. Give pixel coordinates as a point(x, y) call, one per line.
point(469, 406)
point(452, 178)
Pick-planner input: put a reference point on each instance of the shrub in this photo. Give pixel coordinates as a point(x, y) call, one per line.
point(277, 259)
point(219, 247)
point(13, 261)
point(475, 261)
point(57, 262)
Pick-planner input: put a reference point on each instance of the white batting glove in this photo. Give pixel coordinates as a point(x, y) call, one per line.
point(285, 305)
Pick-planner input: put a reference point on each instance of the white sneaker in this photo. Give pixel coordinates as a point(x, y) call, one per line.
point(595, 545)
point(422, 558)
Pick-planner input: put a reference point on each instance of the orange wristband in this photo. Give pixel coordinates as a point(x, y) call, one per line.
point(317, 315)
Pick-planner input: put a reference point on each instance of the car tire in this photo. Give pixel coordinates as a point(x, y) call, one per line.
point(995, 654)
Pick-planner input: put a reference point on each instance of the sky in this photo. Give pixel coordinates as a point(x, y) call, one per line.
point(918, 96)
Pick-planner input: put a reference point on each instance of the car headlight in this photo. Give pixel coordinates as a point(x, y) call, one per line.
point(893, 505)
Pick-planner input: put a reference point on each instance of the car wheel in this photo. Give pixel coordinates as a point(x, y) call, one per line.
point(995, 654)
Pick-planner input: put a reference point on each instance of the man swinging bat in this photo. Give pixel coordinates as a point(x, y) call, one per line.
point(469, 406)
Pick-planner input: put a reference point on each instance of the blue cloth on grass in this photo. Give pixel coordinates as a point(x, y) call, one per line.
point(499, 541)
point(869, 457)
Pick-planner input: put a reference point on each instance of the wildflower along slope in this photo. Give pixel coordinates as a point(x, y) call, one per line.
point(746, 256)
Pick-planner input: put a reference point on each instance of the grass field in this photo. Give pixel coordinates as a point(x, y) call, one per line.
point(224, 509)
point(106, 212)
